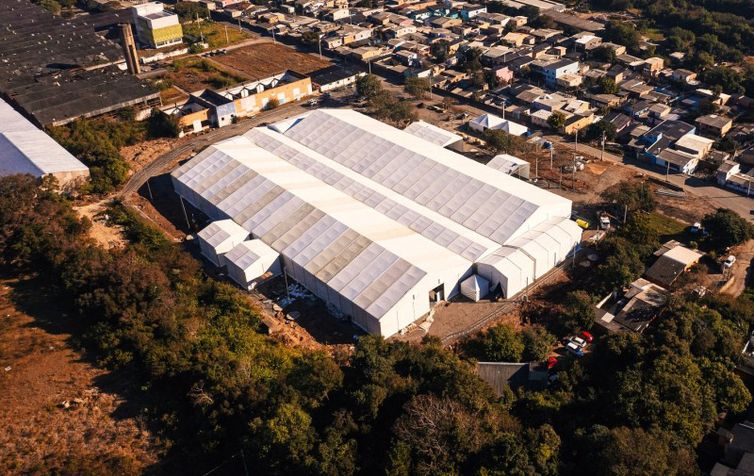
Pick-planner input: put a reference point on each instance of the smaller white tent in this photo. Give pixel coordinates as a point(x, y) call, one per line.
point(475, 287)
point(530, 256)
point(510, 165)
point(491, 121)
point(432, 133)
point(249, 261)
point(218, 238)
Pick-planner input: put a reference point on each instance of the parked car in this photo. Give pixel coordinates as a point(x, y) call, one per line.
point(552, 362)
point(578, 341)
point(587, 336)
point(729, 261)
point(574, 350)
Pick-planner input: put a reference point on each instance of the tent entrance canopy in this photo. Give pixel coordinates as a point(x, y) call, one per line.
point(475, 287)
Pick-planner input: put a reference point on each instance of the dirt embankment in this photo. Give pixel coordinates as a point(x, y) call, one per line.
point(60, 414)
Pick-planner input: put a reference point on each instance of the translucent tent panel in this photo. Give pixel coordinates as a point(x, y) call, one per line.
point(428, 173)
point(248, 261)
point(432, 133)
point(370, 218)
point(475, 287)
point(218, 238)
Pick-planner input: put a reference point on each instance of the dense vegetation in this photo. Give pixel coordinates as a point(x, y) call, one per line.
point(385, 105)
point(97, 143)
point(219, 386)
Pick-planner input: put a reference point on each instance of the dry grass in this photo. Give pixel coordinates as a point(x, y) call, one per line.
point(265, 59)
point(39, 434)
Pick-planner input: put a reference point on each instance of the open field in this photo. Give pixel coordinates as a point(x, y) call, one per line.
point(194, 74)
point(60, 414)
point(216, 35)
point(265, 59)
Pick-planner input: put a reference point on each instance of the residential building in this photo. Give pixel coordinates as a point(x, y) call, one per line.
point(714, 125)
point(335, 77)
point(671, 264)
point(632, 310)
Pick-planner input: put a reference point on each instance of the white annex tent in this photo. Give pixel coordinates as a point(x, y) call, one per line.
point(527, 258)
point(475, 287)
point(250, 260)
point(491, 121)
point(218, 238)
point(432, 133)
point(510, 165)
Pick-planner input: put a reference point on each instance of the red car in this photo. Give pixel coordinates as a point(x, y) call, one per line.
point(552, 362)
point(587, 336)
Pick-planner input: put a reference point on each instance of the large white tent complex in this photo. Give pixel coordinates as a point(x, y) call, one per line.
point(372, 219)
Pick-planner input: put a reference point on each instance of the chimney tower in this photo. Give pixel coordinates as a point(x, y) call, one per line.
point(129, 49)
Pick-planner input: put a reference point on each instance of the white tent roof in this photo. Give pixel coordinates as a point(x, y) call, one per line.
point(507, 163)
point(363, 214)
point(432, 133)
point(26, 149)
point(218, 233)
point(247, 254)
point(491, 203)
point(491, 121)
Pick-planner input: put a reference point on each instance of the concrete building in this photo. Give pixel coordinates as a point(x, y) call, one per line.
point(156, 28)
point(714, 125)
point(672, 264)
point(378, 223)
point(251, 97)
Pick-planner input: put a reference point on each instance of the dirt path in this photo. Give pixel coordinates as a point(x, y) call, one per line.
point(741, 269)
point(39, 433)
point(107, 236)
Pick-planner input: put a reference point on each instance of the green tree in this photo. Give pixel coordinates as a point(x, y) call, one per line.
point(606, 85)
point(556, 120)
point(603, 451)
point(440, 50)
point(417, 87)
point(537, 343)
point(368, 86)
point(726, 228)
point(630, 196)
point(500, 343)
point(578, 311)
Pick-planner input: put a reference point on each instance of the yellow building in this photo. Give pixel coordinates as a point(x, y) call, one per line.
point(156, 28)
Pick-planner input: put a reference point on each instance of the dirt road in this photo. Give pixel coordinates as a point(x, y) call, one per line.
point(741, 272)
point(199, 142)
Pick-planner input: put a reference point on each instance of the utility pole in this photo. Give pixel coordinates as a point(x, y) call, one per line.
point(239, 25)
point(602, 155)
point(552, 152)
point(273, 36)
point(369, 65)
point(227, 39)
point(560, 185)
point(201, 34)
point(667, 172)
point(577, 137)
point(319, 43)
point(573, 175)
point(536, 167)
point(504, 102)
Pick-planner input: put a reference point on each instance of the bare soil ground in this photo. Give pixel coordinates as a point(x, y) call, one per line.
point(265, 59)
point(141, 154)
point(107, 236)
point(742, 270)
point(55, 417)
